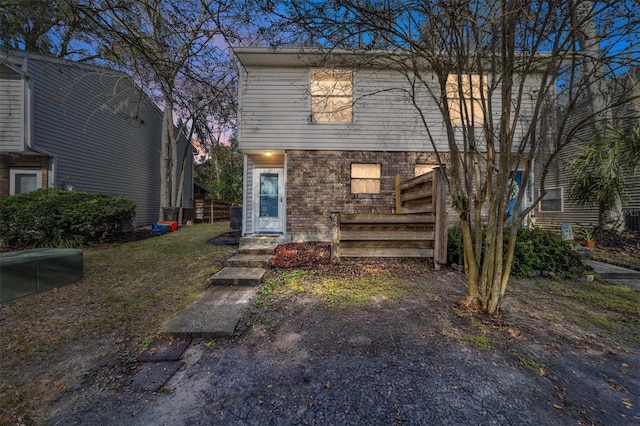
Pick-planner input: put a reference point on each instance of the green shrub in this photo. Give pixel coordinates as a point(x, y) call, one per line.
point(536, 250)
point(454, 245)
point(56, 218)
point(544, 250)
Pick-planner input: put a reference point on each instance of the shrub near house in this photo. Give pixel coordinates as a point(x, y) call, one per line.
point(56, 218)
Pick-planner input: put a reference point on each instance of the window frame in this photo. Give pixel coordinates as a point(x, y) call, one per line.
point(328, 115)
point(15, 171)
point(561, 197)
point(472, 103)
point(366, 179)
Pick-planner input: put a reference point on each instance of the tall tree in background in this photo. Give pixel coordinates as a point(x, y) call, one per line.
point(172, 47)
point(494, 69)
point(42, 26)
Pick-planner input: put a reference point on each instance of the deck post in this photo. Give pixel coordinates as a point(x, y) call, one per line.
point(335, 237)
point(398, 195)
point(440, 211)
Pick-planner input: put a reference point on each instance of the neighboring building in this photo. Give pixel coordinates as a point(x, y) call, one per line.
point(75, 126)
point(556, 208)
point(321, 134)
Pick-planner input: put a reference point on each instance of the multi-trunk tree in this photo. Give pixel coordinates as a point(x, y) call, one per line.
point(507, 77)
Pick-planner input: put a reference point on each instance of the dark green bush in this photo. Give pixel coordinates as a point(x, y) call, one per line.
point(536, 250)
point(544, 250)
point(454, 245)
point(56, 218)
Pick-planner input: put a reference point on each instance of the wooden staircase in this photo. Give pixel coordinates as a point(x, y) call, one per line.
point(418, 230)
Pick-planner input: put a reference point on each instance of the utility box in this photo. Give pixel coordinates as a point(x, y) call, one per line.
point(27, 272)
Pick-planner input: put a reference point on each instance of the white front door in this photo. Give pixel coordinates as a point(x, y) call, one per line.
point(268, 200)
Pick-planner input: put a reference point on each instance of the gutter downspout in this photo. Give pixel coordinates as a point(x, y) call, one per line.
point(244, 195)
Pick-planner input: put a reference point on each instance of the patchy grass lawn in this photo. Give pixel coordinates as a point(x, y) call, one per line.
point(50, 341)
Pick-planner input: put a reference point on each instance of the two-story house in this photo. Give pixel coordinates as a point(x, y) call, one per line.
point(76, 126)
point(321, 135)
point(557, 208)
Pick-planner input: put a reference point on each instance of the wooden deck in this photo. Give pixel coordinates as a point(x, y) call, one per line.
point(419, 229)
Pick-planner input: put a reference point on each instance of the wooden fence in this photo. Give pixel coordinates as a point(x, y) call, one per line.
point(418, 229)
point(211, 210)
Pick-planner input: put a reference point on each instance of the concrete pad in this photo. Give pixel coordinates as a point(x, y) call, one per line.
point(164, 349)
point(607, 271)
point(249, 260)
point(152, 376)
point(214, 315)
point(237, 276)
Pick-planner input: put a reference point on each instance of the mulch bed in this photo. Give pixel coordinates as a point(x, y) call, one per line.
point(297, 255)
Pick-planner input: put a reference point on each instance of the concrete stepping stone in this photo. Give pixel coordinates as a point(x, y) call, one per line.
point(215, 314)
point(162, 349)
point(249, 260)
point(237, 276)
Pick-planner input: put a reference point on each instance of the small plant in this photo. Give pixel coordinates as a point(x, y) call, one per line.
point(588, 231)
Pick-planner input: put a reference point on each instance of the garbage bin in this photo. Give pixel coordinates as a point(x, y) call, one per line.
point(170, 214)
point(235, 215)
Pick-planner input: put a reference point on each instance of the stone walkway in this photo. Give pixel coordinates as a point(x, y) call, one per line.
point(616, 274)
point(217, 311)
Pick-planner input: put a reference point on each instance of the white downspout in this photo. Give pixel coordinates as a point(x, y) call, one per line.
point(244, 195)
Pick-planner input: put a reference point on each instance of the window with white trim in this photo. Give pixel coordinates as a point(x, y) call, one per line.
point(24, 180)
point(465, 94)
point(552, 201)
point(331, 96)
point(365, 178)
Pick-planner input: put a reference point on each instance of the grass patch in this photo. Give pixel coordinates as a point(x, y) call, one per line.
point(530, 364)
point(333, 293)
point(610, 311)
point(127, 292)
point(479, 341)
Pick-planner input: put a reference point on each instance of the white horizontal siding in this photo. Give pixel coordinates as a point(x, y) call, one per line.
point(11, 110)
point(275, 113)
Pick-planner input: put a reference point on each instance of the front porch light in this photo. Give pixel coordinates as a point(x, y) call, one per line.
point(267, 153)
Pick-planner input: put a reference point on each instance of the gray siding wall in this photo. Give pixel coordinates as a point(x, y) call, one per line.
point(12, 110)
point(559, 178)
point(105, 135)
point(275, 113)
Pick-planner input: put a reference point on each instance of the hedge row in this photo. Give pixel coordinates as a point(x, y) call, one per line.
point(56, 218)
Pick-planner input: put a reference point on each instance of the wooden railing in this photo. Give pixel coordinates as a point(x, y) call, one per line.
point(418, 229)
point(211, 210)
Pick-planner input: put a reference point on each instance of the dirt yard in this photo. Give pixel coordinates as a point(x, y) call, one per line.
point(374, 341)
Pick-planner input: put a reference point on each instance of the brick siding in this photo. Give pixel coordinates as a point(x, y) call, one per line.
point(30, 161)
point(319, 183)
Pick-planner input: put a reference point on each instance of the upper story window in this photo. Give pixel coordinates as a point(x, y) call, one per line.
point(331, 96)
point(465, 94)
